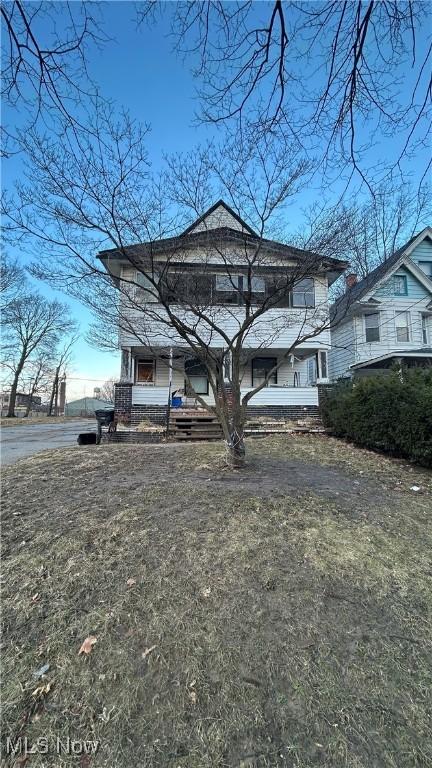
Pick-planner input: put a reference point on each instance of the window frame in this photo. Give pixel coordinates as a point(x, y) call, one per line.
point(293, 292)
point(269, 381)
point(372, 327)
point(195, 362)
point(424, 330)
point(429, 264)
point(398, 313)
point(405, 284)
point(145, 360)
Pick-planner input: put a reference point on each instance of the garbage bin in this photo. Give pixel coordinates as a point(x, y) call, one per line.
point(104, 418)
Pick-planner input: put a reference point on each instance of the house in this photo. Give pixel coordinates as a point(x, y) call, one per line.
point(215, 253)
point(21, 402)
point(386, 318)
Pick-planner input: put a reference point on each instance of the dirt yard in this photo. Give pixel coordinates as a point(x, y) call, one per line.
point(274, 617)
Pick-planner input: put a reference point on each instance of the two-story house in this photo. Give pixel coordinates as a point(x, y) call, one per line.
point(234, 270)
point(386, 318)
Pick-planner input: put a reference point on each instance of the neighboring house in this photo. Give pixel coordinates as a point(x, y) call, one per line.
point(146, 370)
point(386, 318)
point(21, 402)
point(86, 406)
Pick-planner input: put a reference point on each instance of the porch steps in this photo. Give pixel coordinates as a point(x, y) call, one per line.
point(194, 425)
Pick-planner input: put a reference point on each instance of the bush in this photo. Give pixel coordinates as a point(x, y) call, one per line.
point(388, 413)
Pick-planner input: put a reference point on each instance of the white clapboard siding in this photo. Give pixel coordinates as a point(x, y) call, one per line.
point(142, 395)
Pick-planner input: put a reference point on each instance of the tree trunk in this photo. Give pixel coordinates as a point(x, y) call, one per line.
point(53, 392)
point(236, 448)
point(14, 387)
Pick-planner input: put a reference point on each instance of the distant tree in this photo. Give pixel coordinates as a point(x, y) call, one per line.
point(31, 323)
point(36, 376)
point(107, 390)
point(61, 359)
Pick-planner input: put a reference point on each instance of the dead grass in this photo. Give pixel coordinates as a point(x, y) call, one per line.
point(21, 421)
point(288, 624)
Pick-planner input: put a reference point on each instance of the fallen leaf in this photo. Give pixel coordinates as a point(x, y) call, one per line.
point(42, 690)
point(131, 582)
point(85, 761)
point(193, 697)
point(35, 597)
point(147, 651)
point(206, 592)
point(87, 645)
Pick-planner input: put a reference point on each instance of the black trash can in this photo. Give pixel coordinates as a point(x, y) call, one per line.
point(104, 418)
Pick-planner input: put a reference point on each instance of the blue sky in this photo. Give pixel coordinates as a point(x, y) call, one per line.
point(138, 69)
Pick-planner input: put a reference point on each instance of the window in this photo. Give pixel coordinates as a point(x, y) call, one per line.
point(424, 327)
point(303, 293)
point(257, 284)
point(260, 368)
point(197, 378)
point(400, 285)
point(402, 327)
point(426, 267)
point(227, 289)
point(323, 364)
point(145, 372)
point(372, 330)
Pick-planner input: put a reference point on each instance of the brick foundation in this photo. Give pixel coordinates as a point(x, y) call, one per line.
point(123, 401)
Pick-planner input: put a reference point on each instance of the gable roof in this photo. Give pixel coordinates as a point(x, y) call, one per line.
point(360, 289)
point(228, 210)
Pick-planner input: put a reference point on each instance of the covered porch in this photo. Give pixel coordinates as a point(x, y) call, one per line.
point(295, 383)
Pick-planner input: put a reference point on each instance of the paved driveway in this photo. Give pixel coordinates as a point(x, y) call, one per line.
point(19, 442)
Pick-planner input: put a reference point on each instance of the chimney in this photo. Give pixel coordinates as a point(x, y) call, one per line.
point(351, 280)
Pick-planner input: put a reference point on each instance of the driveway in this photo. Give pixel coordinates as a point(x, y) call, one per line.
point(22, 441)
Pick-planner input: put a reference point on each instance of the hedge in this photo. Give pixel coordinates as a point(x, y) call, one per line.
point(390, 413)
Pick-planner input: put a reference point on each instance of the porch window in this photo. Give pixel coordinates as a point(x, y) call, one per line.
point(400, 285)
point(197, 378)
point(402, 327)
point(260, 368)
point(145, 372)
point(424, 329)
point(303, 294)
point(372, 330)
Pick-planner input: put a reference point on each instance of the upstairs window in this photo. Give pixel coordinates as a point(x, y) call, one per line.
point(400, 285)
point(303, 294)
point(260, 368)
point(372, 330)
point(402, 327)
point(227, 289)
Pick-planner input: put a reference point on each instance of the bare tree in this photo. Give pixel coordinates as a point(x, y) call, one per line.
point(336, 76)
point(12, 280)
point(36, 376)
point(107, 390)
point(44, 58)
point(61, 359)
point(101, 196)
point(31, 323)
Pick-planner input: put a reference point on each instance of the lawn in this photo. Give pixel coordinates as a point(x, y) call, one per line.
point(273, 617)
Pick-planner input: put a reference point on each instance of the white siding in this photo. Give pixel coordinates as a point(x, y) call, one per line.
point(342, 353)
point(267, 396)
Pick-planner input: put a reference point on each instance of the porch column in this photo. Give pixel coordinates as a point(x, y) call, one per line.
point(126, 371)
point(322, 365)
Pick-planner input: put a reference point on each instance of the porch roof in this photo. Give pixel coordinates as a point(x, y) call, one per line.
point(423, 352)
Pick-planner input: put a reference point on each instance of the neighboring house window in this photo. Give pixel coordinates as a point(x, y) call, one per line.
point(323, 364)
point(197, 377)
point(426, 267)
point(260, 368)
point(145, 372)
point(425, 339)
point(227, 289)
point(372, 327)
point(400, 285)
point(402, 327)
point(303, 294)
